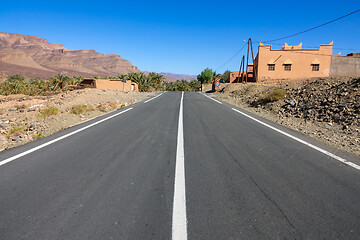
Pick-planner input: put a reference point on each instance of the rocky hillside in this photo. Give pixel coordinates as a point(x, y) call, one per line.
point(333, 101)
point(36, 57)
point(325, 108)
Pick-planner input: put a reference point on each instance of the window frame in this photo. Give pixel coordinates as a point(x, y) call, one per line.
point(287, 67)
point(271, 67)
point(315, 67)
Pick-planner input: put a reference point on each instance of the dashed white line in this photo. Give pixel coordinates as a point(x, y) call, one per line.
point(211, 98)
point(153, 98)
point(179, 222)
point(59, 138)
point(303, 142)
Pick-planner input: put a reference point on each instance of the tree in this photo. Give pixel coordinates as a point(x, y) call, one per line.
point(205, 76)
point(60, 81)
point(155, 79)
point(141, 79)
point(226, 76)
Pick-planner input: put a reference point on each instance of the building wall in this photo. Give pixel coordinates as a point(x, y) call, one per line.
point(235, 77)
point(116, 84)
point(301, 61)
point(345, 66)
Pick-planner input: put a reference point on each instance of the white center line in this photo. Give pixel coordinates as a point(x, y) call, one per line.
point(59, 138)
point(153, 98)
point(303, 142)
point(211, 98)
point(179, 222)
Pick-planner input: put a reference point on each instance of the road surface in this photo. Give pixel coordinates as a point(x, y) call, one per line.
point(178, 166)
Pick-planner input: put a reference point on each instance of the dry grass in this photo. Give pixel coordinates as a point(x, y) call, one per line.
point(274, 95)
point(80, 108)
point(48, 112)
point(38, 136)
point(16, 130)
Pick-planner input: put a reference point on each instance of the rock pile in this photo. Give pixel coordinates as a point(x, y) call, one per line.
point(326, 101)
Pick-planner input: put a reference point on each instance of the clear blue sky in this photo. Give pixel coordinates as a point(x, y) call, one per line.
point(181, 36)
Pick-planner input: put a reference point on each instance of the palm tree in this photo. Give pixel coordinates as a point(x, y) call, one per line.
point(60, 81)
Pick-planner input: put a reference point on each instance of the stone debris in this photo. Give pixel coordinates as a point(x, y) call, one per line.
point(325, 108)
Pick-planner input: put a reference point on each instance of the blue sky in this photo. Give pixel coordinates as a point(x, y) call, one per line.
point(182, 36)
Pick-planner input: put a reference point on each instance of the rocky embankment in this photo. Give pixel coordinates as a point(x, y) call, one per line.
point(26, 118)
point(325, 108)
point(326, 101)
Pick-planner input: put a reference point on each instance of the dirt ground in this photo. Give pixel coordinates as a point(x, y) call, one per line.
point(26, 118)
point(339, 128)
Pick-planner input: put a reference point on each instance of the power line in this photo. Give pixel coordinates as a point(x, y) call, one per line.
point(232, 57)
point(307, 30)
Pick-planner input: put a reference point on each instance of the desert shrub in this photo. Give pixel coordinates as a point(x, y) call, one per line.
point(80, 108)
point(48, 112)
point(16, 130)
point(274, 95)
point(38, 136)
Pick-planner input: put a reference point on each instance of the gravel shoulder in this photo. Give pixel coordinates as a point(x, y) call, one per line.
point(326, 109)
point(27, 118)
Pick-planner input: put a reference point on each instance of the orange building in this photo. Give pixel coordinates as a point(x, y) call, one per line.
point(292, 62)
point(110, 84)
point(238, 76)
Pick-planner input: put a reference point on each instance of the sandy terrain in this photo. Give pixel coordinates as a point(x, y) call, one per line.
point(25, 118)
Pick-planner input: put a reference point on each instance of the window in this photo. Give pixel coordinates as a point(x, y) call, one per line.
point(271, 67)
point(287, 67)
point(315, 67)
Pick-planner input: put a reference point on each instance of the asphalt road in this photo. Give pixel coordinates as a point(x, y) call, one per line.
point(115, 179)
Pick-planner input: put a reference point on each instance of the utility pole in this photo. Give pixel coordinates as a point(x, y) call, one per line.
point(250, 47)
point(252, 54)
point(241, 69)
point(247, 61)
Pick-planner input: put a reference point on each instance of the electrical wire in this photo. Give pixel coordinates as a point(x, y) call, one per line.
point(313, 47)
point(232, 57)
point(307, 30)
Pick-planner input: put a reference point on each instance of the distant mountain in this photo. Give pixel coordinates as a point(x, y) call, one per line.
point(172, 77)
point(35, 57)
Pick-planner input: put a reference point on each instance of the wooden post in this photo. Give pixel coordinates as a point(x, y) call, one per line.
point(241, 66)
point(252, 54)
point(247, 61)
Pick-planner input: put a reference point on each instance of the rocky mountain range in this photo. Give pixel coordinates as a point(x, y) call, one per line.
point(35, 57)
point(173, 77)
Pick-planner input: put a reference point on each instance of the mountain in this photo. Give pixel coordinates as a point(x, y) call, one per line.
point(35, 57)
point(172, 77)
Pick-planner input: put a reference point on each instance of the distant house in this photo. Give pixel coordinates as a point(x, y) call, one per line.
point(292, 62)
point(239, 76)
point(109, 84)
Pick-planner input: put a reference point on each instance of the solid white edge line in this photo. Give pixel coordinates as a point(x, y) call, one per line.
point(211, 98)
point(153, 98)
point(179, 222)
point(58, 139)
point(303, 142)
